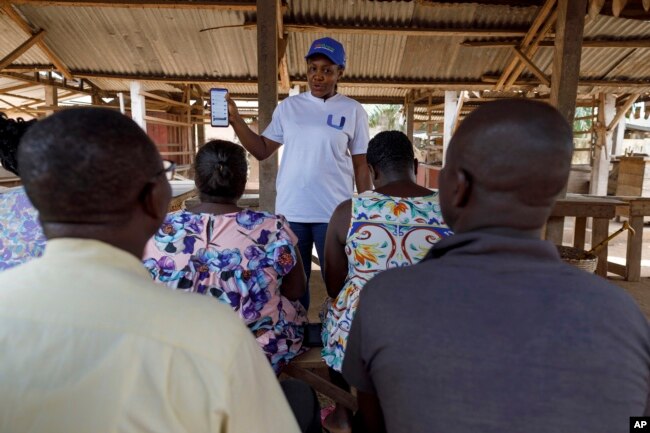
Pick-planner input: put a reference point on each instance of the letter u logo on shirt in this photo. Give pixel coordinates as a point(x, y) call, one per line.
point(330, 122)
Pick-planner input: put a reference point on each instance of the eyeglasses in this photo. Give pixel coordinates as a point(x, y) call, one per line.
point(169, 168)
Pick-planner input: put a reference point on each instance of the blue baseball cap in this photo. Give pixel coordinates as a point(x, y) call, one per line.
point(330, 48)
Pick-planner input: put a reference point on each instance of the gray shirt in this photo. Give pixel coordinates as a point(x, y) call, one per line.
point(497, 334)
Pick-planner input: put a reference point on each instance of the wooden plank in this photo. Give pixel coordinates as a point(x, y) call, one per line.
point(587, 209)
point(21, 49)
point(532, 66)
point(540, 18)
point(532, 48)
point(51, 98)
point(566, 61)
point(141, 4)
point(163, 99)
point(579, 233)
point(590, 43)
point(160, 121)
point(17, 87)
point(616, 268)
point(634, 249)
point(27, 28)
point(622, 110)
point(395, 31)
point(267, 66)
point(600, 231)
point(323, 386)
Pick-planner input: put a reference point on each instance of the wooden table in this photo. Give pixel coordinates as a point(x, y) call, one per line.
point(601, 209)
point(635, 209)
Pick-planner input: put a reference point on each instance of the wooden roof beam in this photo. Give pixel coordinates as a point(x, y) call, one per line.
point(590, 43)
point(540, 19)
point(36, 82)
point(532, 66)
point(532, 48)
point(27, 28)
point(22, 48)
point(140, 4)
point(393, 31)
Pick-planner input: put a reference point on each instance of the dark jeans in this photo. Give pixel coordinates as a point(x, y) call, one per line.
point(304, 404)
point(308, 235)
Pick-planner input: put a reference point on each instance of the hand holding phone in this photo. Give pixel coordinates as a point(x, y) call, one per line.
point(218, 107)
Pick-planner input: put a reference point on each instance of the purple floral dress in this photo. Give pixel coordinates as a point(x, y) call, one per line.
point(21, 236)
point(240, 259)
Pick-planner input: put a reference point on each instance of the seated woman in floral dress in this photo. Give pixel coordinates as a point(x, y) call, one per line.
point(243, 258)
point(21, 236)
point(394, 225)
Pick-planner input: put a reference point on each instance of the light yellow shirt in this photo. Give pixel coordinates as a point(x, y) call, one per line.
point(89, 344)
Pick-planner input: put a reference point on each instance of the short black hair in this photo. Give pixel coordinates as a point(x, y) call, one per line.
point(86, 165)
point(10, 133)
point(390, 151)
point(221, 169)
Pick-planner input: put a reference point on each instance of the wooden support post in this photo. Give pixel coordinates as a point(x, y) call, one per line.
point(451, 106)
point(409, 110)
point(600, 169)
point(138, 105)
point(267, 66)
point(51, 98)
point(566, 72)
point(566, 61)
point(200, 127)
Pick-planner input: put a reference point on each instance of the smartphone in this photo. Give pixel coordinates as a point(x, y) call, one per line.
point(218, 107)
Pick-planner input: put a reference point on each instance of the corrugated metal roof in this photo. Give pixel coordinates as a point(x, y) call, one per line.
point(168, 42)
point(148, 41)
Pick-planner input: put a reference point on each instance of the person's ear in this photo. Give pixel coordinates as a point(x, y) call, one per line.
point(463, 188)
point(155, 197)
point(340, 73)
point(416, 164)
point(373, 173)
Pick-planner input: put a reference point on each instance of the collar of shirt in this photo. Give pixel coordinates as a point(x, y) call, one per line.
point(71, 250)
point(481, 244)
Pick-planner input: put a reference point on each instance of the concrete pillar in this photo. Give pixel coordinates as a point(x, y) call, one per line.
point(138, 105)
point(451, 106)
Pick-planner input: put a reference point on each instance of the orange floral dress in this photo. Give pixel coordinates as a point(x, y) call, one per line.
point(385, 232)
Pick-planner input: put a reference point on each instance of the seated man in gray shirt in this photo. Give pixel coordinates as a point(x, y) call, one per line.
point(493, 332)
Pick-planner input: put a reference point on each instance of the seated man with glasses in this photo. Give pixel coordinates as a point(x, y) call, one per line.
point(88, 342)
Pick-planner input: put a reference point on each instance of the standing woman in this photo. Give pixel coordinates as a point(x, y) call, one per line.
point(325, 137)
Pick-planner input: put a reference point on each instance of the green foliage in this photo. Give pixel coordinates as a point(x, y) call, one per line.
point(386, 117)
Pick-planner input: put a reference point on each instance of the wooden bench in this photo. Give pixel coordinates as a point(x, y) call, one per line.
point(302, 367)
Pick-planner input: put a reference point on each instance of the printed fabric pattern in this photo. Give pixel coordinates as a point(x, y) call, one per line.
point(21, 236)
point(385, 232)
point(239, 259)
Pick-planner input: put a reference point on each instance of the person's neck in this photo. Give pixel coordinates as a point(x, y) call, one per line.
point(216, 205)
point(113, 234)
point(510, 232)
point(400, 186)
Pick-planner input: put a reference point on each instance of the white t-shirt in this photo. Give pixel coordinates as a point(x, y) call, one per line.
point(316, 172)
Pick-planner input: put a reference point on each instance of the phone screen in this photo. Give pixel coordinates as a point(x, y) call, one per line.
point(218, 107)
